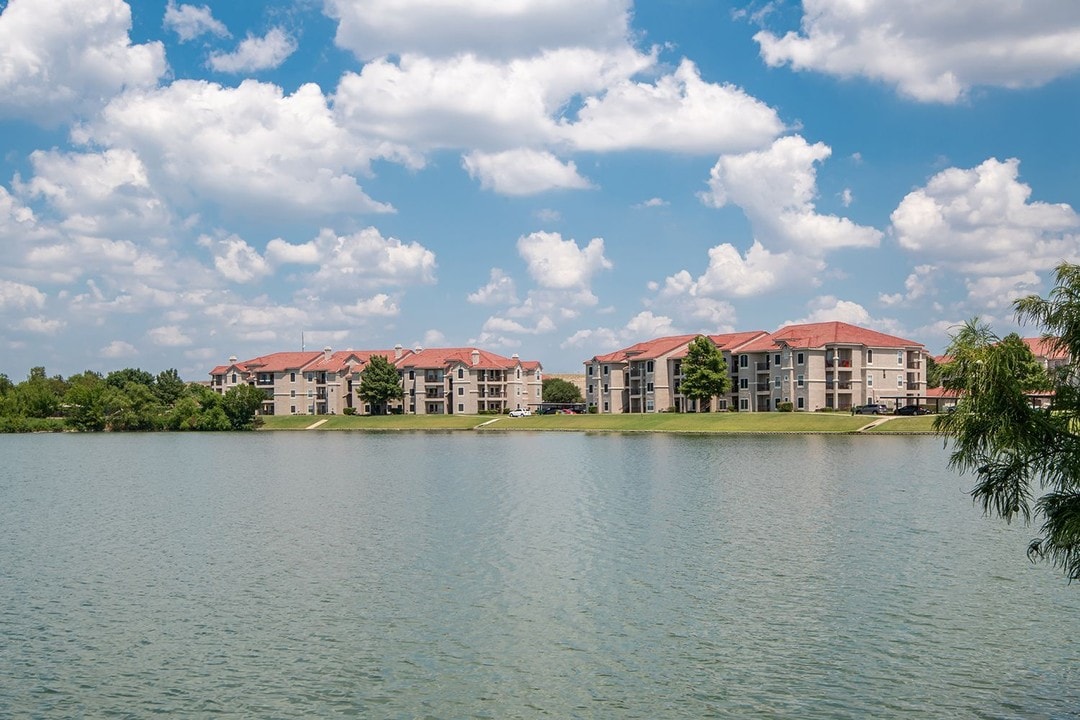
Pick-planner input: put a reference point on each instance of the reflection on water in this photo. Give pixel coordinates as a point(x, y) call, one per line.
point(471, 575)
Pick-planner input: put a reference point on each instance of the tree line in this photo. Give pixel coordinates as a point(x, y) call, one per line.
point(127, 400)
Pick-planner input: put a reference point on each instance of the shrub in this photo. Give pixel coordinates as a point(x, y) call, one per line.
point(593, 409)
point(349, 411)
point(786, 407)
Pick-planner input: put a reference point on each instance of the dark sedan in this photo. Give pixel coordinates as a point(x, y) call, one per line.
point(912, 410)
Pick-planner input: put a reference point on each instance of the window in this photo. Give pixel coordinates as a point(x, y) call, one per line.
point(799, 359)
point(292, 393)
point(799, 380)
point(869, 381)
point(899, 357)
point(744, 404)
point(800, 403)
point(605, 369)
point(776, 382)
point(461, 391)
point(605, 407)
point(460, 373)
point(869, 356)
point(648, 387)
point(292, 377)
point(605, 387)
point(649, 366)
point(744, 383)
point(744, 361)
point(310, 392)
point(234, 377)
point(519, 373)
point(590, 370)
point(412, 374)
point(292, 409)
point(460, 408)
point(899, 381)
point(776, 359)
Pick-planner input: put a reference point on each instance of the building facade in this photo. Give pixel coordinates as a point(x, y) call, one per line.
point(813, 366)
point(435, 381)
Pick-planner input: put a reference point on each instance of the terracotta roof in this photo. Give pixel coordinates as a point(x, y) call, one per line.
point(281, 361)
point(734, 341)
point(222, 369)
point(1045, 348)
point(647, 350)
point(816, 335)
point(429, 358)
point(340, 360)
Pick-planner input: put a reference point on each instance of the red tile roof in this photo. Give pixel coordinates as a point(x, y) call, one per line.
point(430, 358)
point(281, 361)
point(817, 335)
point(1045, 348)
point(342, 359)
point(647, 350)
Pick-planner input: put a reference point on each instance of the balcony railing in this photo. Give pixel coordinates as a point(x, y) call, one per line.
point(837, 386)
point(838, 363)
point(914, 386)
point(762, 366)
point(762, 387)
point(914, 364)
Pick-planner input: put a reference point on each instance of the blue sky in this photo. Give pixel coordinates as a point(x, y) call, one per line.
point(183, 182)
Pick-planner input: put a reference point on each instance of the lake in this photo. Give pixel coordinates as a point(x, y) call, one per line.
point(517, 575)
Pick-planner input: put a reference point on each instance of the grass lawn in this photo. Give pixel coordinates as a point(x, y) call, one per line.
point(913, 424)
point(382, 422)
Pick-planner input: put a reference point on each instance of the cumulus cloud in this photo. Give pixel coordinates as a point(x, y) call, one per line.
point(522, 172)
point(932, 52)
point(560, 264)
point(364, 258)
point(917, 285)
point(828, 308)
point(651, 203)
point(66, 57)
point(191, 21)
point(118, 349)
point(41, 325)
point(680, 112)
point(20, 296)
point(982, 221)
point(439, 28)
point(776, 188)
point(500, 290)
point(168, 336)
point(380, 305)
point(604, 339)
point(249, 148)
point(255, 53)
point(235, 259)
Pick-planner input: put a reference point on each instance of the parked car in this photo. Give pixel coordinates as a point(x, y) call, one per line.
point(912, 410)
point(871, 409)
point(520, 413)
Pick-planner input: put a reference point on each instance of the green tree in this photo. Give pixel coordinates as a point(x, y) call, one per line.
point(933, 372)
point(379, 384)
point(39, 396)
point(1026, 460)
point(87, 401)
point(119, 378)
point(169, 387)
point(557, 390)
point(240, 404)
point(705, 373)
point(135, 408)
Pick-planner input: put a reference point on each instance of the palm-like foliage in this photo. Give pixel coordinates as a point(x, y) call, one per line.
point(1026, 459)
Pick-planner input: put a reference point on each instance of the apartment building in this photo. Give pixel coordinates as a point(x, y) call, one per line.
point(646, 377)
point(302, 383)
point(813, 366)
point(435, 381)
point(447, 381)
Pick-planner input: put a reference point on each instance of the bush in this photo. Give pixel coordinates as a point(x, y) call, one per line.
point(349, 411)
point(786, 407)
point(593, 409)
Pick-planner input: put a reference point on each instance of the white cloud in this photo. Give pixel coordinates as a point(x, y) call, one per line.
point(20, 296)
point(981, 221)
point(255, 53)
point(560, 264)
point(190, 21)
point(523, 172)
point(41, 325)
point(497, 325)
point(933, 52)
point(374, 28)
point(65, 57)
point(651, 203)
point(434, 338)
point(500, 290)
point(168, 336)
point(997, 293)
point(235, 259)
point(603, 340)
point(917, 285)
point(380, 305)
point(731, 274)
point(776, 188)
point(250, 148)
point(364, 258)
point(679, 112)
point(828, 308)
point(118, 349)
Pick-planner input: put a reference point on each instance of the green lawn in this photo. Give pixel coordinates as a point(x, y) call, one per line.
point(914, 424)
point(651, 422)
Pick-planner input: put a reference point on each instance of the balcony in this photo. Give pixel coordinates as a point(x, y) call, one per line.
point(762, 387)
point(913, 365)
point(435, 394)
point(762, 366)
point(837, 385)
point(914, 386)
point(838, 363)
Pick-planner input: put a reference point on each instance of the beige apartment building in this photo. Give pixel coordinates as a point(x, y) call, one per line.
point(813, 366)
point(447, 381)
point(435, 381)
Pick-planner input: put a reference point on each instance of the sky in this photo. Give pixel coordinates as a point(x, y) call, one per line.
point(184, 182)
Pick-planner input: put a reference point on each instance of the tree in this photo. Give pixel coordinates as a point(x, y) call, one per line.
point(379, 384)
point(169, 387)
point(705, 374)
point(119, 378)
point(1015, 450)
point(240, 405)
point(557, 390)
point(933, 372)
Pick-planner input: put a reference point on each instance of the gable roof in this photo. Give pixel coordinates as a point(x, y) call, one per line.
point(817, 335)
point(647, 350)
point(1046, 348)
point(430, 358)
point(281, 361)
point(340, 361)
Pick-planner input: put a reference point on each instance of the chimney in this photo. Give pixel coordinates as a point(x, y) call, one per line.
point(232, 359)
point(398, 351)
point(326, 352)
point(418, 349)
point(475, 357)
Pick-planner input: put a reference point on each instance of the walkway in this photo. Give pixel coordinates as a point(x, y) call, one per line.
point(874, 424)
point(316, 424)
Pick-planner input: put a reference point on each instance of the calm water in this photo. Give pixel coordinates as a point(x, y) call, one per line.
point(463, 575)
